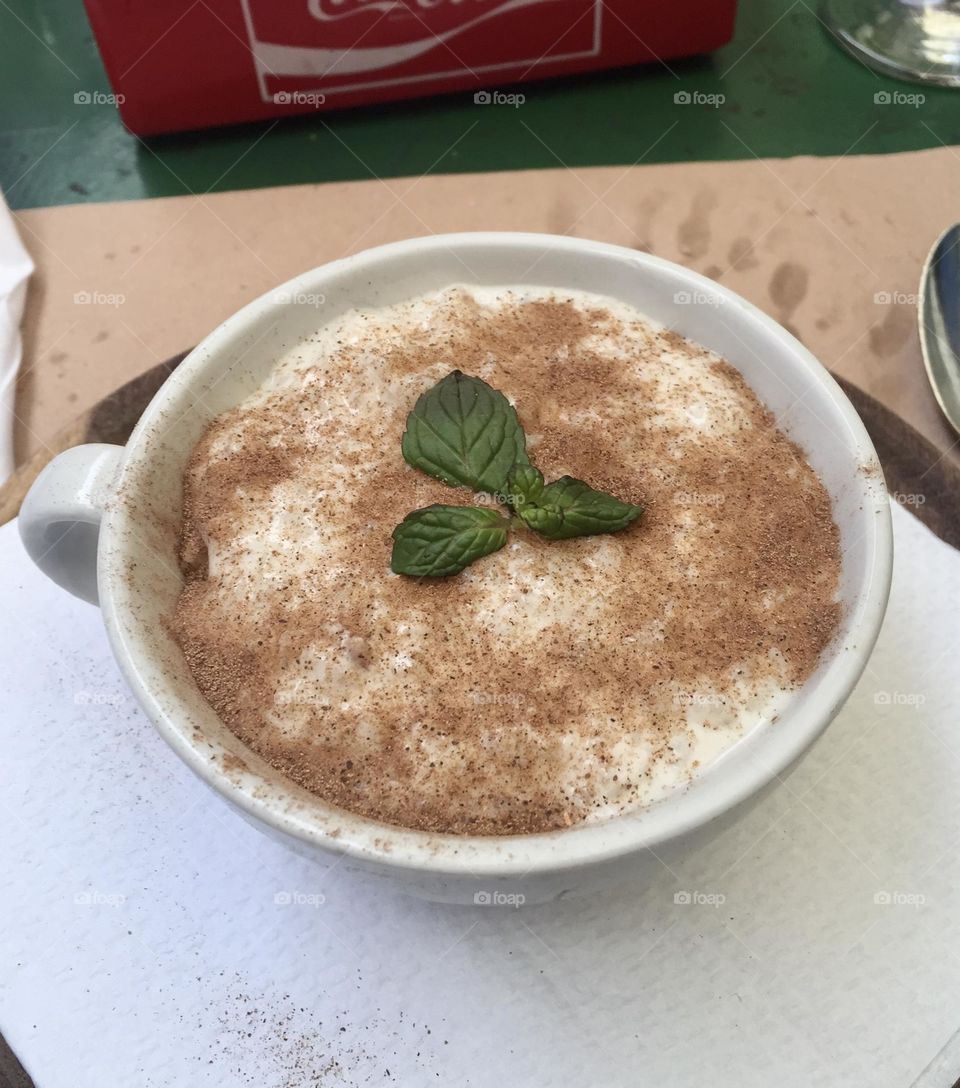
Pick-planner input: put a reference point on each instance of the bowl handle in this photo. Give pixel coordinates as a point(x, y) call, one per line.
point(60, 516)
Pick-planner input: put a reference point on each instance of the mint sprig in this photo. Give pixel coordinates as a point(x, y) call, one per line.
point(525, 486)
point(440, 540)
point(466, 433)
point(569, 507)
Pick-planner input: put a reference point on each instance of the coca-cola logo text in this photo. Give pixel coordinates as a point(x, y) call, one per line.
point(329, 10)
point(335, 46)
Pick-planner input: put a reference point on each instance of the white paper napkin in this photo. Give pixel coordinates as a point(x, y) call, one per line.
point(150, 938)
point(15, 269)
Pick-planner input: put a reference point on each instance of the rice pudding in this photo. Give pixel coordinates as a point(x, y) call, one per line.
point(552, 682)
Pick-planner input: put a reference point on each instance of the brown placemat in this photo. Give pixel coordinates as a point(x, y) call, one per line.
point(830, 247)
point(924, 480)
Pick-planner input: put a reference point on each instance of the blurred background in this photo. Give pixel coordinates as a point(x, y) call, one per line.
point(778, 86)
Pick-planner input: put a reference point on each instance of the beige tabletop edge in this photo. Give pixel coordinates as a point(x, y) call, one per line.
point(832, 248)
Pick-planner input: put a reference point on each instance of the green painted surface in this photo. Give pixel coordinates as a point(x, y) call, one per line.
point(788, 90)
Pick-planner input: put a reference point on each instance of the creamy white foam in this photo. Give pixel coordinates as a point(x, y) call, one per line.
point(295, 543)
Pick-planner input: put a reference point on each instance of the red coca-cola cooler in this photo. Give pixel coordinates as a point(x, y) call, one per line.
point(180, 64)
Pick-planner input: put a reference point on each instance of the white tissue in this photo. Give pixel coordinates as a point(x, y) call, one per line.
point(15, 269)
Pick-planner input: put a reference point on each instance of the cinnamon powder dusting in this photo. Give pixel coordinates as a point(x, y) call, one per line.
point(552, 682)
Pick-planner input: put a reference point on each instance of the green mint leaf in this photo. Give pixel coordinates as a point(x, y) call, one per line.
point(545, 520)
point(569, 508)
point(524, 486)
point(440, 540)
point(465, 432)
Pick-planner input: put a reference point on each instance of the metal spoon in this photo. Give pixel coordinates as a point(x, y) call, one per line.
point(939, 316)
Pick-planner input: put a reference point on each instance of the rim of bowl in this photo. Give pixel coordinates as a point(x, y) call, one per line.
point(312, 820)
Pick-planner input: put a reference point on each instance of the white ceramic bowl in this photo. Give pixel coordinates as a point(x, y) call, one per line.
point(123, 505)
